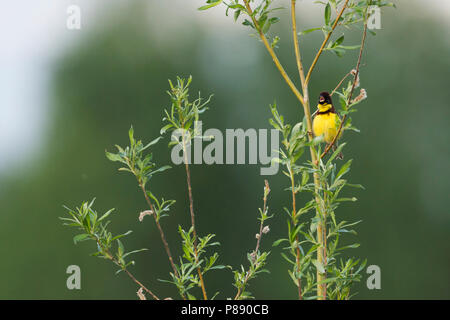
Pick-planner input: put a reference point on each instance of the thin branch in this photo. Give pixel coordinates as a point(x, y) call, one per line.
point(272, 54)
point(325, 41)
point(307, 111)
point(191, 209)
point(161, 232)
point(358, 64)
point(340, 83)
point(116, 262)
point(141, 285)
point(296, 46)
point(306, 106)
point(258, 240)
point(294, 220)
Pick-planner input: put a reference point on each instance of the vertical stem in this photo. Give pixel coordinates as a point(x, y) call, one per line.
point(161, 232)
point(261, 225)
point(304, 100)
point(321, 231)
point(296, 47)
point(191, 209)
point(294, 221)
point(322, 252)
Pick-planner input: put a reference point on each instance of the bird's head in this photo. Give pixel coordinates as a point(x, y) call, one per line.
point(325, 98)
point(325, 102)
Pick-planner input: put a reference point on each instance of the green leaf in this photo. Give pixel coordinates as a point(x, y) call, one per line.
point(338, 41)
point(319, 266)
point(165, 128)
point(293, 277)
point(237, 13)
point(338, 51)
point(163, 168)
point(276, 243)
point(122, 235)
point(134, 251)
point(353, 199)
point(274, 20)
point(80, 237)
point(287, 259)
point(208, 6)
point(105, 215)
point(152, 143)
point(130, 135)
point(191, 297)
point(248, 23)
point(352, 246)
point(335, 153)
point(217, 267)
point(304, 32)
point(113, 157)
point(327, 14)
point(344, 169)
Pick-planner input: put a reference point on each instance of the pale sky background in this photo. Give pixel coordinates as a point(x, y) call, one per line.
point(33, 33)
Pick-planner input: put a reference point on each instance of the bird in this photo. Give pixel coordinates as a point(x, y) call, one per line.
point(326, 121)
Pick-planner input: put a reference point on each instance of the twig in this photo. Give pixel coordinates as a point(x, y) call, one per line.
point(325, 41)
point(141, 285)
point(307, 111)
point(266, 193)
point(294, 221)
point(296, 46)
point(340, 83)
point(258, 239)
point(191, 209)
point(358, 64)
point(116, 262)
point(306, 106)
point(161, 232)
point(272, 54)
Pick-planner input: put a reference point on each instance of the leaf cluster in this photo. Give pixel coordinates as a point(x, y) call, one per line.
point(94, 227)
point(193, 259)
point(134, 159)
point(183, 114)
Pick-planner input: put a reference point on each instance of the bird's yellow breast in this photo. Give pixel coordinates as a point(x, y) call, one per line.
point(327, 125)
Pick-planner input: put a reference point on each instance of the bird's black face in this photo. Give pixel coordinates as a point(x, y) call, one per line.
point(325, 98)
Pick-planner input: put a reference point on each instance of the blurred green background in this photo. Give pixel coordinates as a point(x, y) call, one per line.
point(114, 74)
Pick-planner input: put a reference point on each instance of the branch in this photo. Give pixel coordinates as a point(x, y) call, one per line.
point(258, 241)
point(296, 46)
point(356, 76)
point(161, 232)
point(141, 285)
point(324, 43)
point(116, 262)
point(163, 237)
point(340, 83)
point(191, 209)
point(294, 220)
point(272, 54)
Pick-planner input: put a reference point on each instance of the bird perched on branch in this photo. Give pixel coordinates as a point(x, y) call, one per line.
point(326, 121)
